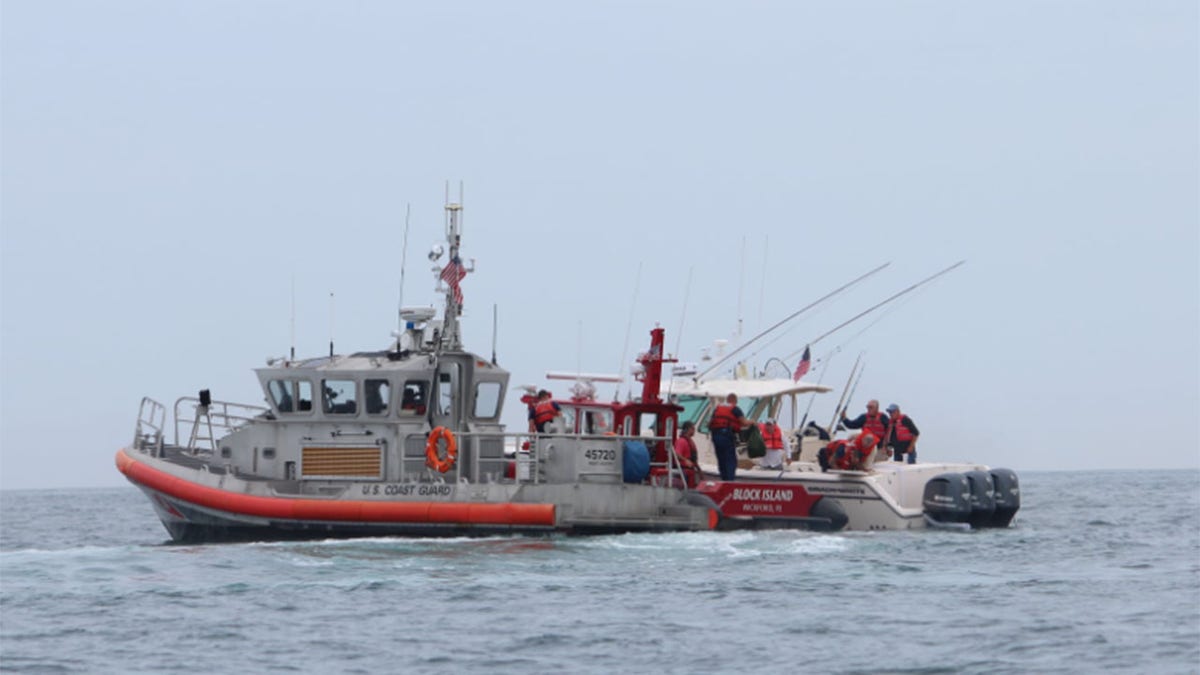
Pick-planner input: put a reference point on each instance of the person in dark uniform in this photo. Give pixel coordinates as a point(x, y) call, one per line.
point(726, 421)
point(903, 439)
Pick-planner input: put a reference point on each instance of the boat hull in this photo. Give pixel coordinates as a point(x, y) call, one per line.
point(886, 498)
point(200, 504)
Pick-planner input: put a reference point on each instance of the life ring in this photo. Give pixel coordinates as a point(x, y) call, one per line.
point(432, 460)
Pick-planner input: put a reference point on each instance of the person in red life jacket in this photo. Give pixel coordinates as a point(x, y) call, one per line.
point(542, 412)
point(848, 455)
point(872, 420)
point(726, 421)
point(856, 452)
point(777, 445)
point(686, 453)
point(903, 439)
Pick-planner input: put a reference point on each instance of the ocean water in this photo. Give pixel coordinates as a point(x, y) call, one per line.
point(1100, 573)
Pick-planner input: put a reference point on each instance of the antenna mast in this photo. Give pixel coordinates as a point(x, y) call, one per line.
point(453, 274)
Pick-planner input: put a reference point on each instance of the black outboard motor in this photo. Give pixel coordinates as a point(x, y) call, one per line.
point(983, 498)
point(948, 498)
point(830, 510)
point(1008, 497)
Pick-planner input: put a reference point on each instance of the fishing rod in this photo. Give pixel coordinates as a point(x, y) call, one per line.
point(852, 390)
point(842, 399)
point(788, 318)
point(877, 305)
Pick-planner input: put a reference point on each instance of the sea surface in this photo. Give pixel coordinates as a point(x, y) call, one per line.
point(1100, 573)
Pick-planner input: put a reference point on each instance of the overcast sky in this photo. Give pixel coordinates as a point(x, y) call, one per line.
point(169, 167)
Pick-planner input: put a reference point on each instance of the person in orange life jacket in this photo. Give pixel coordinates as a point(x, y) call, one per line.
point(847, 455)
point(778, 451)
point(727, 419)
point(686, 453)
point(542, 412)
point(903, 440)
point(872, 421)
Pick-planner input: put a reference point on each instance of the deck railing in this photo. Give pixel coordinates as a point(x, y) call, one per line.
point(208, 423)
point(530, 457)
point(148, 435)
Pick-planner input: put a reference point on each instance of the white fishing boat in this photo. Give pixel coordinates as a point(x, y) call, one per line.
point(885, 495)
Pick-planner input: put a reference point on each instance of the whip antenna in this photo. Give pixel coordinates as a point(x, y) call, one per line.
point(762, 287)
point(495, 323)
point(330, 324)
point(293, 351)
point(403, 264)
point(687, 292)
point(628, 328)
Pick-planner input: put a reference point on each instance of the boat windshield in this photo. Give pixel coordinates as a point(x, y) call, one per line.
point(692, 407)
point(746, 404)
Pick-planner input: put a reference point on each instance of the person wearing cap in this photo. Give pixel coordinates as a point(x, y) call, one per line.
point(777, 445)
point(902, 436)
point(542, 412)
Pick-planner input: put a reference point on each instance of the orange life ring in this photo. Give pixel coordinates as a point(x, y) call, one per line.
point(432, 460)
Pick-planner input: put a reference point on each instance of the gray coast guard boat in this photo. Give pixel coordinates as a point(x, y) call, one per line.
point(407, 441)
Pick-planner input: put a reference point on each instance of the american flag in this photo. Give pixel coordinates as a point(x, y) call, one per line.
point(452, 274)
point(803, 366)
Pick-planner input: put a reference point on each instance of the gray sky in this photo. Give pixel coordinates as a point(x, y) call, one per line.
point(169, 166)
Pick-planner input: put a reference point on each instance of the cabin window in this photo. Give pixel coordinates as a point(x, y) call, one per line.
point(647, 424)
point(445, 393)
point(415, 397)
point(487, 399)
point(291, 396)
point(566, 423)
point(339, 398)
point(597, 422)
point(378, 395)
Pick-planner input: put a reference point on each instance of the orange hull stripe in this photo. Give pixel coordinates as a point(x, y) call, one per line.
point(335, 510)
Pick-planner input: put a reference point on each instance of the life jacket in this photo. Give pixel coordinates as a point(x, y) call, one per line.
point(832, 449)
point(875, 425)
point(543, 412)
point(854, 453)
point(722, 418)
point(774, 440)
point(861, 445)
point(902, 433)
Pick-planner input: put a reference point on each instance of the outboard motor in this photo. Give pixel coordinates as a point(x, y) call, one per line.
point(947, 498)
point(1008, 497)
point(830, 510)
point(983, 498)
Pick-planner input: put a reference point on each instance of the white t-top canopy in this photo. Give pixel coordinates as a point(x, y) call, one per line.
point(743, 388)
